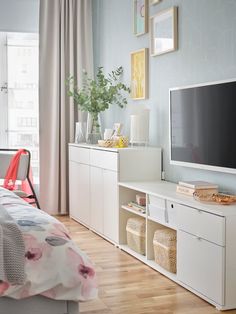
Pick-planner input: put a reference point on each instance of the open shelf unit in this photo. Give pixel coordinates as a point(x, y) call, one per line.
point(197, 244)
point(126, 195)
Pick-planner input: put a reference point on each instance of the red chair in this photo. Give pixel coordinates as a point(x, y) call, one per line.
point(23, 173)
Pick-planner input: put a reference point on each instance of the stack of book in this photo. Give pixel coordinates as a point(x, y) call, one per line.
point(190, 187)
point(137, 207)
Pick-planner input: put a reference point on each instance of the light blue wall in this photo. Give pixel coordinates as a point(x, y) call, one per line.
point(207, 52)
point(19, 16)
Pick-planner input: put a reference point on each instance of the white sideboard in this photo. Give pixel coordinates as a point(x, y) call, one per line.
point(94, 173)
point(206, 239)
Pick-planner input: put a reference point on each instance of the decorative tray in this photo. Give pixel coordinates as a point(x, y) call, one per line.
point(107, 143)
point(119, 142)
point(218, 198)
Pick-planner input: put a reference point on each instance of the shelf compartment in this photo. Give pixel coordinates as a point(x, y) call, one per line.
point(149, 262)
point(161, 270)
point(127, 249)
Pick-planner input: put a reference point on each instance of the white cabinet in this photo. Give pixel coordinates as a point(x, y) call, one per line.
point(206, 233)
point(110, 210)
point(201, 251)
point(79, 192)
point(200, 265)
point(202, 224)
point(94, 173)
point(96, 195)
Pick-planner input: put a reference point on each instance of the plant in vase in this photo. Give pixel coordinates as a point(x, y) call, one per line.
point(96, 95)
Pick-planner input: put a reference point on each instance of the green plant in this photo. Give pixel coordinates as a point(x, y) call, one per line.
point(97, 95)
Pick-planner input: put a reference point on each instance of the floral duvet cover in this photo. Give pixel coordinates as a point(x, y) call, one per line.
point(54, 265)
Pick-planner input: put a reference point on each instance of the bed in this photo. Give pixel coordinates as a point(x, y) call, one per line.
point(57, 274)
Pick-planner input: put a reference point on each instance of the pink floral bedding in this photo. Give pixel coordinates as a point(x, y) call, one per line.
point(55, 267)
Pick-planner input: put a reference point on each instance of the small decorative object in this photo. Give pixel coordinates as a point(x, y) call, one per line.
point(164, 31)
point(141, 199)
point(94, 131)
point(139, 74)
point(97, 95)
point(108, 134)
point(116, 129)
point(140, 17)
point(79, 132)
point(122, 142)
point(218, 198)
point(139, 128)
point(152, 2)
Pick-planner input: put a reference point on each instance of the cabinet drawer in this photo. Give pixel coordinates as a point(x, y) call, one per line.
point(200, 265)
point(79, 154)
point(104, 159)
point(204, 225)
point(171, 213)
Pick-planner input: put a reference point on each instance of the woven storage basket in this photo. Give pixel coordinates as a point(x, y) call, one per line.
point(164, 243)
point(136, 234)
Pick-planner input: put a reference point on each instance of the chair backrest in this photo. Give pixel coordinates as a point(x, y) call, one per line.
point(5, 158)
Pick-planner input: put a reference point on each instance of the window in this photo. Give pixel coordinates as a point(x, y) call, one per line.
point(19, 95)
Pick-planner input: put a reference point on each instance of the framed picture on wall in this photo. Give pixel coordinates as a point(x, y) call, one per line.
point(140, 17)
point(152, 2)
point(139, 74)
point(164, 32)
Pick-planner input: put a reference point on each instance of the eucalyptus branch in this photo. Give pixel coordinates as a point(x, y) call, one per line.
point(97, 95)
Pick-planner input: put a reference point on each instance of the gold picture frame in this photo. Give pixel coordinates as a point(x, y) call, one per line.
point(140, 17)
point(164, 31)
point(139, 74)
point(153, 2)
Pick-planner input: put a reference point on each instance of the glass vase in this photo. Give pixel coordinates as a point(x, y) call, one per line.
point(94, 132)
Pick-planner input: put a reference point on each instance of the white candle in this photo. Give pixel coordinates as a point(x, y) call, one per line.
point(139, 127)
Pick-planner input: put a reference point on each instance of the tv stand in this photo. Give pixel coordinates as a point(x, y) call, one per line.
point(206, 235)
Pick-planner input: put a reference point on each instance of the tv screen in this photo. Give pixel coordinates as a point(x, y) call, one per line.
point(203, 126)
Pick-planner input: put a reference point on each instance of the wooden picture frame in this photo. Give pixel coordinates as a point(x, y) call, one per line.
point(164, 32)
point(139, 74)
point(153, 2)
point(140, 17)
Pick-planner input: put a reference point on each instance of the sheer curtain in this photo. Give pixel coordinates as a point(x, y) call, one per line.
point(65, 48)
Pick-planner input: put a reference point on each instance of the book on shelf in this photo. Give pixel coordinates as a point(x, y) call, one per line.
point(137, 207)
point(189, 191)
point(198, 184)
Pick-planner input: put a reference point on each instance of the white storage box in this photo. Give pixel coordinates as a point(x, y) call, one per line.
point(157, 213)
point(157, 208)
point(171, 213)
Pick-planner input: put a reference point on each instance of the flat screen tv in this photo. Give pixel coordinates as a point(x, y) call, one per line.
point(203, 126)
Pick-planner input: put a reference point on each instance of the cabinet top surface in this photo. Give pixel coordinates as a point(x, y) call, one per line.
point(167, 190)
point(114, 149)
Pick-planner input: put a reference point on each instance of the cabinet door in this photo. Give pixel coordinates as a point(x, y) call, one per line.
point(96, 193)
point(79, 192)
point(200, 265)
point(110, 196)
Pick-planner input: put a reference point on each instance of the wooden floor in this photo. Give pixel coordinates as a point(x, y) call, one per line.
point(127, 286)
